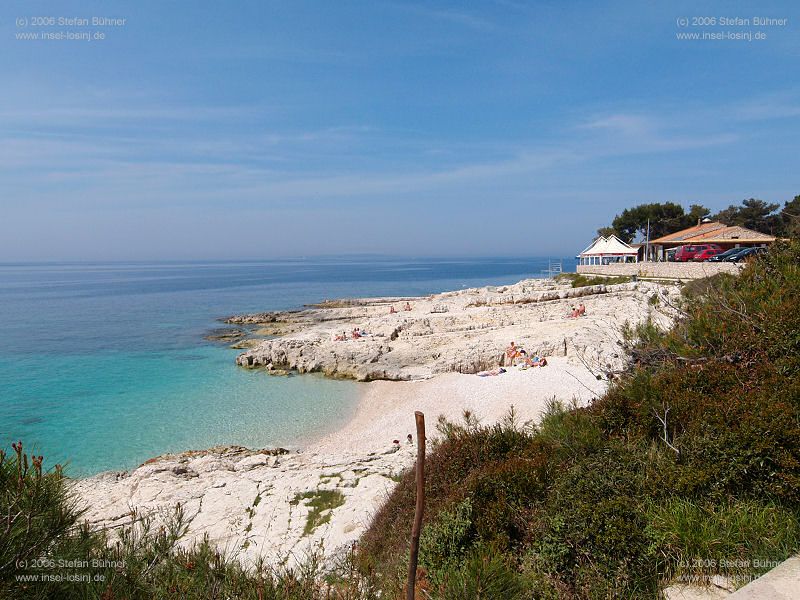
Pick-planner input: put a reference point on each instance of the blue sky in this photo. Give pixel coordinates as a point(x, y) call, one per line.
point(266, 129)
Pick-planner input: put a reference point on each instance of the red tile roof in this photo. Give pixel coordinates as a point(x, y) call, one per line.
point(714, 232)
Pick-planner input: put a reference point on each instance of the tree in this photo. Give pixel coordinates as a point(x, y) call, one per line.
point(790, 219)
point(729, 215)
point(757, 214)
point(754, 214)
point(697, 212)
point(664, 218)
point(607, 231)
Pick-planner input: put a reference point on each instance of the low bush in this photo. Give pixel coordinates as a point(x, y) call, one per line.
point(484, 574)
point(37, 515)
point(446, 540)
point(737, 538)
point(579, 280)
point(569, 433)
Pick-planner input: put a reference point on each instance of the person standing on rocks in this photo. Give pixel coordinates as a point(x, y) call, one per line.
point(512, 352)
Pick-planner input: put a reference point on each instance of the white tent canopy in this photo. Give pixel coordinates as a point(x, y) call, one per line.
point(605, 250)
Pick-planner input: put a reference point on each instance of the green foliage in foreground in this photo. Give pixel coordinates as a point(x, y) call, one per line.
point(578, 280)
point(689, 466)
point(145, 561)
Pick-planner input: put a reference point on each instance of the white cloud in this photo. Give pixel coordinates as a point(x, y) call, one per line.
point(625, 124)
point(771, 106)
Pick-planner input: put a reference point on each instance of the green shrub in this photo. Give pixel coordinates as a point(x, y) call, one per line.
point(502, 494)
point(37, 515)
point(446, 540)
point(594, 523)
point(733, 538)
point(569, 433)
point(485, 574)
point(579, 280)
point(464, 454)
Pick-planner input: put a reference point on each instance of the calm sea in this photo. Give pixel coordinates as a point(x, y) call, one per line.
point(103, 365)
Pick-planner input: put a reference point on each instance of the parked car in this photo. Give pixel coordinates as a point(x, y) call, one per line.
point(706, 254)
point(722, 256)
point(688, 252)
point(746, 253)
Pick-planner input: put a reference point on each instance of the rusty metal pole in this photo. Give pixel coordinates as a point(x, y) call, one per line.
point(415, 531)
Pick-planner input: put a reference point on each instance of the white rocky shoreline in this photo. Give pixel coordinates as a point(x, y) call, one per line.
point(280, 505)
point(463, 331)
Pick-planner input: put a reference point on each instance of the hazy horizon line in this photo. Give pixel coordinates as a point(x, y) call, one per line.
point(380, 256)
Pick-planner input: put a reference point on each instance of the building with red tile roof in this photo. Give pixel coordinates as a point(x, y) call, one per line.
point(713, 232)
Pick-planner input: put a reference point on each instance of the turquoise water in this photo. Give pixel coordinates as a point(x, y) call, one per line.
point(116, 410)
point(105, 365)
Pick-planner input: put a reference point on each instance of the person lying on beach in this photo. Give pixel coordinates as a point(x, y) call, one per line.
point(512, 352)
point(492, 373)
point(527, 361)
point(407, 306)
point(341, 338)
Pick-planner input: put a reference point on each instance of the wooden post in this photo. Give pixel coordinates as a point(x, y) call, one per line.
point(415, 531)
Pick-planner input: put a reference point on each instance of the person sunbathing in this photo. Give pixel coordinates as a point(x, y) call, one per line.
point(581, 310)
point(392, 310)
point(524, 358)
point(574, 314)
point(527, 361)
point(492, 372)
point(407, 306)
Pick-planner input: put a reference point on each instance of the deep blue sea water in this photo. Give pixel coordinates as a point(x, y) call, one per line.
point(104, 365)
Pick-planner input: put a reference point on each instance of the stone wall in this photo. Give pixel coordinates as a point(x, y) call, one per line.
point(662, 270)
